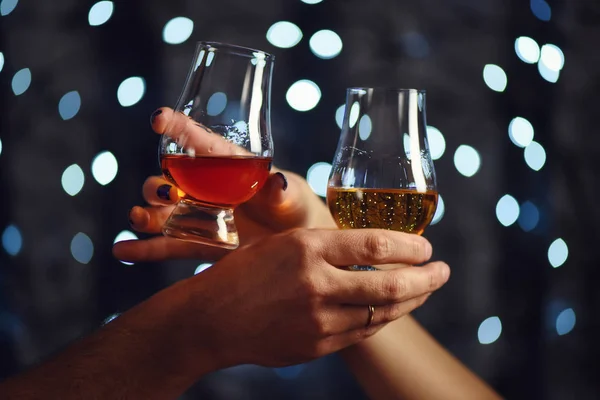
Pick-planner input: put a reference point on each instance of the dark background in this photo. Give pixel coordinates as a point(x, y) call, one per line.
point(48, 298)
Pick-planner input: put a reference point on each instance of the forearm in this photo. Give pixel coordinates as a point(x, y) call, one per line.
point(403, 361)
point(143, 354)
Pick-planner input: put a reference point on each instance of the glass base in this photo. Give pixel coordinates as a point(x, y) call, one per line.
point(362, 268)
point(192, 222)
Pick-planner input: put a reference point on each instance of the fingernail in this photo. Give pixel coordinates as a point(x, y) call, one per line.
point(164, 192)
point(154, 115)
point(129, 217)
point(285, 182)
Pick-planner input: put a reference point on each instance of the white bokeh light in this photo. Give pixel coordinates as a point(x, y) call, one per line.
point(552, 57)
point(535, 156)
point(110, 318)
point(437, 143)
point(527, 49)
point(72, 179)
point(1, 61)
point(303, 95)
point(489, 330)
point(131, 91)
point(354, 113)
point(507, 210)
point(105, 168)
point(123, 236)
point(439, 211)
point(326, 44)
point(547, 73)
point(495, 77)
point(339, 115)
point(284, 34)
point(100, 13)
point(178, 30)
point(0, 146)
point(565, 321)
point(312, 1)
point(202, 267)
point(82, 248)
point(558, 252)
point(467, 160)
point(520, 132)
point(317, 177)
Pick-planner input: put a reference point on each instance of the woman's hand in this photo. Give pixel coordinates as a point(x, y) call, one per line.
point(285, 301)
point(285, 201)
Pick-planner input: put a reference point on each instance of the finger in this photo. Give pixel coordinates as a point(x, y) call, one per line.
point(158, 191)
point(278, 204)
point(335, 343)
point(372, 247)
point(195, 137)
point(391, 286)
point(149, 219)
point(353, 317)
point(162, 248)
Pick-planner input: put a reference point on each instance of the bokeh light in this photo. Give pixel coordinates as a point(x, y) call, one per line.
point(284, 34)
point(312, 1)
point(548, 74)
point(317, 177)
point(527, 49)
point(339, 115)
point(467, 160)
point(131, 91)
point(507, 210)
point(110, 318)
point(82, 248)
point(437, 143)
point(178, 30)
point(489, 330)
point(520, 132)
point(553, 57)
point(0, 146)
point(72, 179)
point(303, 95)
point(541, 9)
point(495, 77)
point(326, 44)
point(565, 321)
point(21, 81)
point(439, 211)
point(529, 216)
point(100, 13)
point(1, 61)
point(535, 156)
point(216, 104)
point(202, 267)
point(558, 252)
point(365, 126)
point(12, 241)
point(69, 105)
point(104, 168)
point(7, 6)
point(123, 236)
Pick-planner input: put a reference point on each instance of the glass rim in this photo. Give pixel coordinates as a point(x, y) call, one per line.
point(385, 89)
point(234, 49)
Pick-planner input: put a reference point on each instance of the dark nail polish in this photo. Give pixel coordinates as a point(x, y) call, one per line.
point(154, 115)
point(163, 192)
point(285, 182)
point(129, 218)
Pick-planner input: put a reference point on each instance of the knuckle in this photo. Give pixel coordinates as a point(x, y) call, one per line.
point(379, 246)
point(396, 287)
point(420, 249)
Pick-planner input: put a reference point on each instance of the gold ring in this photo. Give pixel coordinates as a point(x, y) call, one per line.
point(371, 315)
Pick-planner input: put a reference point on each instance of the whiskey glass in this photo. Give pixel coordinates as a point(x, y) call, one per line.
point(221, 154)
point(382, 173)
